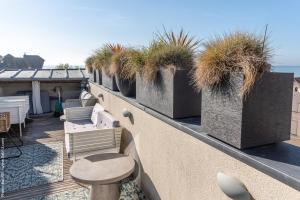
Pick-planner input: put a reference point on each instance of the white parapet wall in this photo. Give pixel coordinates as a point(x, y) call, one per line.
point(177, 166)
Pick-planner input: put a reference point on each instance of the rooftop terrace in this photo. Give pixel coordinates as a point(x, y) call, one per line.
point(171, 153)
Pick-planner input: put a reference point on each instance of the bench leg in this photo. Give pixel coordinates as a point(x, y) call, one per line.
point(105, 192)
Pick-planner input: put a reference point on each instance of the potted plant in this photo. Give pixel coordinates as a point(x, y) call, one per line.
point(124, 66)
point(103, 62)
point(243, 103)
point(89, 67)
point(93, 70)
point(164, 83)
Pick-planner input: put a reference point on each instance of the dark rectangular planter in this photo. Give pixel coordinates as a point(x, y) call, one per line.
point(98, 75)
point(262, 117)
point(170, 94)
point(109, 81)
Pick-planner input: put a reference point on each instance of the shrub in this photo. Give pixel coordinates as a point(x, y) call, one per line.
point(235, 52)
point(104, 56)
point(89, 62)
point(63, 66)
point(170, 50)
point(127, 62)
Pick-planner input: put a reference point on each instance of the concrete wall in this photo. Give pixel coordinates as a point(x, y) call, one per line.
point(295, 125)
point(177, 166)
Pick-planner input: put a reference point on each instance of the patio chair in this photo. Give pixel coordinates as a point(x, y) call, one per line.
point(5, 127)
point(90, 130)
point(85, 99)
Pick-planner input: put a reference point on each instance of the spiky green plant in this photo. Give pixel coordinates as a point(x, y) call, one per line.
point(181, 39)
point(171, 51)
point(235, 52)
point(104, 56)
point(115, 48)
point(127, 62)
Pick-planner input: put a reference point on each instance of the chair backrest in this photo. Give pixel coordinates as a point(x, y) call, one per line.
point(4, 122)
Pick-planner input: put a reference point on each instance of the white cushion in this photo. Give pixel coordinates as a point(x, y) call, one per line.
point(79, 126)
point(88, 100)
point(106, 120)
point(82, 94)
point(94, 117)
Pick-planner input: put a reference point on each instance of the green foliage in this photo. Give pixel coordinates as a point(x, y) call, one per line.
point(170, 50)
point(104, 56)
point(63, 66)
point(127, 62)
point(181, 39)
point(89, 62)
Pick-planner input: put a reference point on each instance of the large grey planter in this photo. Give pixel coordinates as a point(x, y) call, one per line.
point(98, 76)
point(109, 81)
point(263, 117)
point(126, 87)
point(170, 94)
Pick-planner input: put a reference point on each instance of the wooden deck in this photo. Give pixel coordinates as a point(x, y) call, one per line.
point(44, 130)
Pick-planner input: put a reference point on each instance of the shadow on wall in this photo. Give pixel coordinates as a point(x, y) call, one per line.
point(141, 178)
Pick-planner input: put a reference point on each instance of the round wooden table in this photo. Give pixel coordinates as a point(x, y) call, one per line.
point(103, 172)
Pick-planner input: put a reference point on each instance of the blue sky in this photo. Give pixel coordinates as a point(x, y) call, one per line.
point(67, 31)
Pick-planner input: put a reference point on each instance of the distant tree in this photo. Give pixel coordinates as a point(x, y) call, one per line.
point(63, 66)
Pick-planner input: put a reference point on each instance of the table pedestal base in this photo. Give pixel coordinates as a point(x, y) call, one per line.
point(105, 192)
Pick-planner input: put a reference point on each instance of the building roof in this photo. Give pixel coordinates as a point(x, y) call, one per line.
point(43, 75)
point(33, 61)
point(25, 62)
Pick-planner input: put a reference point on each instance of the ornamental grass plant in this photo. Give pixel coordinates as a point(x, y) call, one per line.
point(127, 63)
point(222, 56)
point(89, 62)
point(103, 56)
point(169, 50)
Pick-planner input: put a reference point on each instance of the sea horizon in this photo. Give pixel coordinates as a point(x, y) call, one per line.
point(287, 68)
